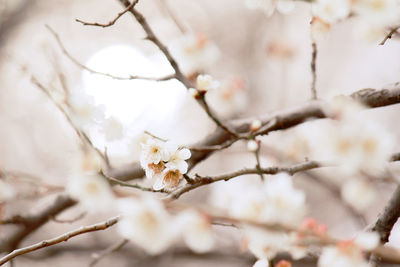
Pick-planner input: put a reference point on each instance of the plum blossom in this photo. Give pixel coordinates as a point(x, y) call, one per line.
point(195, 53)
point(206, 83)
point(153, 151)
point(164, 162)
point(359, 193)
point(7, 191)
point(252, 146)
point(196, 230)
point(84, 110)
point(331, 11)
point(344, 254)
point(269, 6)
point(92, 191)
point(261, 263)
point(146, 223)
point(367, 240)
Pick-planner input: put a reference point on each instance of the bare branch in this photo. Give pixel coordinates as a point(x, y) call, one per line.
point(108, 251)
point(390, 35)
point(34, 221)
point(388, 218)
point(112, 22)
point(313, 69)
point(82, 66)
point(59, 239)
point(200, 181)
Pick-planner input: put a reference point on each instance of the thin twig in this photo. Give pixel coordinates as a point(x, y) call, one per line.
point(59, 239)
point(390, 35)
point(165, 6)
point(201, 181)
point(77, 218)
point(314, 69)
point(125, 184)
point(82, 66)
point(112, 22)
point(108, 251)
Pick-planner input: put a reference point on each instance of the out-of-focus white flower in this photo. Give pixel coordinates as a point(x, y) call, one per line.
point(169, 178)
point(261, 263)
point(91, 161)
point(92, 191)
point(355, 145)
point(252, 146)
point(268, 6)
point(286, 205)
point(112, 129)
point(345, 254)
point(153, 151)
point(359, 193)
point(7, 191)
point(319, 28)
point(378, 12)
point(196, 230)
point(230, 98)
point(195, 53)
point(343, 107)
point(331, 11)
point(177, 157)
point(275, 202)
point(265, 244)
point(194, 92)
point(84, 110)
point(285, 6)
point(146, 223)
point(367, 240)
point(206, 83)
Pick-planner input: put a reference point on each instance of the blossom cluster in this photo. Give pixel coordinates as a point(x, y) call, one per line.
point(269, 6)
point(148, 224)
point(164, 162)
point(373, 15)
point(274, 201)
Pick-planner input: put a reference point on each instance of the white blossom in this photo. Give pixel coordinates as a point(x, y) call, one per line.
point(196, 230)
point(261, 263)
point(343, 255)
point(195, 53)
point(146, 223)
point(286, 205)
point(92, 191)
point(84, 110)
point(153, 151)
point(359, 193)
point(7, 191)
point(206, 83)
point(112, 129)
point(177, 157)
point(331, 11)
point(268, 6)
point(367, 240)
point(169, 178)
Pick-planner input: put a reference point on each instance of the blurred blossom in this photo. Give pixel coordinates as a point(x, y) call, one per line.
point(7, 191)
point(344, 254)
point(275, 201)
point(146, 223)
point(265, 244)
point(343, 107)
point(196, 230)
point(252, 146)
point(112, 129)
point(268, 6)
point(261, 263)
point(230, 98)
point(367, 240)
point(359, 193)
point(206, 83)
point(92, 191)
point(84, 111)
point(331, 11)
point(195, 53)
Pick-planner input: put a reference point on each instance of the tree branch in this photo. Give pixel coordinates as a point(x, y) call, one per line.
point(59, 239)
